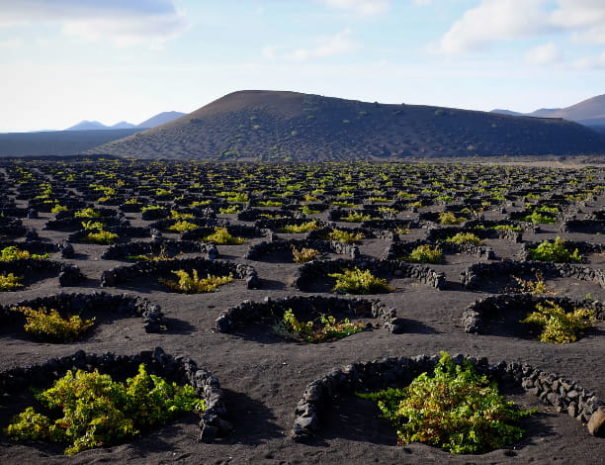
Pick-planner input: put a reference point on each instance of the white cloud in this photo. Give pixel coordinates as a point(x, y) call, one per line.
point(544, 54)
point(499, 20)
point(122, 22)
point(325, 46)
point(491, 21)
point(594, 62)
point(10, 44)
point(361, 7)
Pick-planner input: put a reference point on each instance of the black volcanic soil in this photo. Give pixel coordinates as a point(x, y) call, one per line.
point(271, 125)
point(263, 382)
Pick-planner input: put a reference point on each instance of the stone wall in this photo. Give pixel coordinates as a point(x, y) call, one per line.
point(69, 275)
point(121, 251)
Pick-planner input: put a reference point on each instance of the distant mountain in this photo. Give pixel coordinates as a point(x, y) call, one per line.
point(590, 112)
point(506, 112)
point(161, 118)
point(271, 125)
point(87, 126)
point(19, 144)
point(122, 125)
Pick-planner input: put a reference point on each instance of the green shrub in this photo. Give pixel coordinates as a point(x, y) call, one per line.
point(13, 252)
point(10, 282)
point(193, 284)
point(306, 210)
point(455, 409)
point(58, 208)
point(346, 237)
point(87, 213)
point(305, 255)
point(555, 251)
point(539, 218)
point(356, 217)
point(448, 218)
point(425, 253)
point(176, 215)
point(50, 326)
point(356, 281)
point(536, 286)
point(508, 227)
point(230, 209)
point(98, 411)
point(325, 329)
point(270, 203)
point(465, 238)
point(221, 236)
point(559, 326)
point(300, 228)
point(101, 237)
point(182, 226)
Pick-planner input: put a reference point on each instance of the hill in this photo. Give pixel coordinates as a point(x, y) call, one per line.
point(87, 126)
point(161, 118)
point(271, 125)
point(57, 142)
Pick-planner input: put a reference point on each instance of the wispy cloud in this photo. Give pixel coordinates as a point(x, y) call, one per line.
point(324, 46)
point(501, 20)
point(361, 7)
point(544, 54)
point(122, 22)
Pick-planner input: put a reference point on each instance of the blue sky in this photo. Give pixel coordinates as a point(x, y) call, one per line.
point(62, 61)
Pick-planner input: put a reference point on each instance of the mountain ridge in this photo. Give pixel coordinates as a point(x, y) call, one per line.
point(283, 125)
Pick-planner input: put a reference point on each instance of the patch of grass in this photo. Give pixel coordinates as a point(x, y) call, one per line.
point(101, 237)
point(222, 236)
point(13, 252)
point(465, 238)
point(48, 325)
point(455, 409)
point(176, 215)
point(92, 410)
point(448, 218)
point(230, 209)
point(357, 281)
point(305, 255)
point(539, 218)
point(425, 253)
point(559, 326)
point(325, 329)
point(191, 283)
point(555, 251)
point(58, 208)
point(182, 226)
point(10, 282)
point(300, 228)
point(508, 227)
point(306, 210)
point(346, 237)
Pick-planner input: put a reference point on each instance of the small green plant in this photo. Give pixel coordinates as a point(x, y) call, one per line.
point(10, 282)
point(455, 409)
point(325, 329)
point(448, 218)
point(151, 207)
point(555, 251)
point(92, 410)
point(535, 286)
point(306, 210)
point(270, 203)
point(346, 237)
point(508, 227)
point(539, 218)
point(305, 255)
point(182, 226)
point(356, 217)
point(101, 237)
point(559, 326)
point(465, 238)
point(13, 252)
point(357, 281)
point(425, 253)
point(222, 236)
point(176, 215)
point(300, 228)
point(87, 213)
point(48, 324)
point(230, 209)
point(193, 284)
point(58, 208)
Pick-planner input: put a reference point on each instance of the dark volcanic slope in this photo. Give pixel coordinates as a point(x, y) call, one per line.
point(270, 125)
point(19, 144)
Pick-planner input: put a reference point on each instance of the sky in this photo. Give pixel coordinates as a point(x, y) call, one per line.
point(63, 61)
